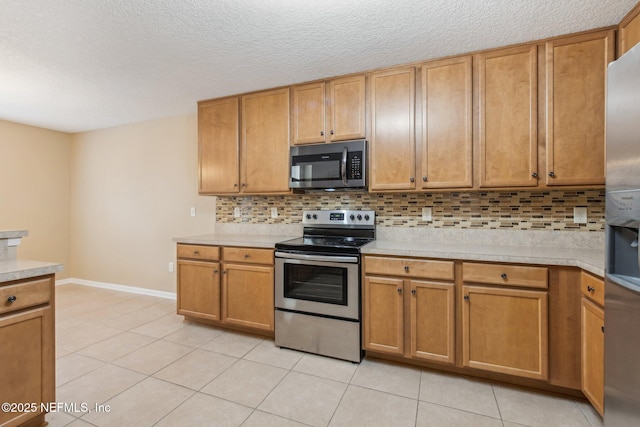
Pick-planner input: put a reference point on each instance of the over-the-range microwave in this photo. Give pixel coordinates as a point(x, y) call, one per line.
point(338, 165)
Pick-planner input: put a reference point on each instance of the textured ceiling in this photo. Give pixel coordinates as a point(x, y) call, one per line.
point(78, 65)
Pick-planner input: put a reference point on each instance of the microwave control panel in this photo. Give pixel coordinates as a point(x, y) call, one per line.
point(355, 162)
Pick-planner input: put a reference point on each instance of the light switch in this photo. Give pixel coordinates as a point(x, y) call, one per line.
point(426, 214)
point(193, 211)
point(579, 215)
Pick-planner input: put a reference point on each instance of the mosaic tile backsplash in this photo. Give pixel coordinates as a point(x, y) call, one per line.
point(516, 210)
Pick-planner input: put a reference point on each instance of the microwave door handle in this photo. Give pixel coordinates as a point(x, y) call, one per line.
point(343, 166)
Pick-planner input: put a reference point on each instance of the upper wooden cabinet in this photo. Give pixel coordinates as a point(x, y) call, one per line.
point(392, 150)
point(218, 143)
point(576, 69)
point(447, 134)
point(265, 142)
point(629, 31)
point(507, 117)
point(327, 112)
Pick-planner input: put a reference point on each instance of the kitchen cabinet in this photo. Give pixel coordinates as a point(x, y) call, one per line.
point(593, 340)
point(629, 31)
point(226, 286)
point(248, 287)
point(199, 281)
point(218, 146)
point(447, 134)
point(504, 326)
point(27, 361)
point(507, 117)
point(265, 142)
point(576, 70)
point(426, 289)
point(392, 150)
point(329, 111)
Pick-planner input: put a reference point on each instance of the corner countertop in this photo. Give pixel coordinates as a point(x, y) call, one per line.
point(591, 260)
point(247, 240)
point(17, 269)
point(13, 234)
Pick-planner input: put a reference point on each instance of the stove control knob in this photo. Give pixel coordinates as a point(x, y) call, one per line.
point(352, 217)
point(366, 217)
point(359, 217)
point(315, 216)
point(308, 216)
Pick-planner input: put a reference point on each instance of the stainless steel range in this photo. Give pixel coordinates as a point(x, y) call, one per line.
point(317, 284)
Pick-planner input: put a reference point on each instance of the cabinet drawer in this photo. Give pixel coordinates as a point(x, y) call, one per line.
point(26, 294)
point(501, 274)
point(248, 255)
point(198, 252)
point(592, 287)
point(428, 269)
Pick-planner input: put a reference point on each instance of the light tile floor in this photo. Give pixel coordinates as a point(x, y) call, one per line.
point(134, 354)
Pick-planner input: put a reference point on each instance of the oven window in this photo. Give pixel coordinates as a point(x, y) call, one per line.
point(316, 283)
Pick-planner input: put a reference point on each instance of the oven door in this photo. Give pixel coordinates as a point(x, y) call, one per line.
point(318, 284)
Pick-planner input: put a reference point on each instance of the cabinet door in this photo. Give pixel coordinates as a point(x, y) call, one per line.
point(309, 105)
point(383, 315)
point(26, 362)
point(508, 88)
point(392, 157)
point(347, 108)
point(593, 354)
point(218, 142)
point(505, 330)
point(265, 142)
point(629, 31)
point(248, 296)
point(447, 110)
point(432, 321)
point(576, 80)
point(199, 289)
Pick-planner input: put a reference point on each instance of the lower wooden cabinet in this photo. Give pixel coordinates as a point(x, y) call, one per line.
point(248, 296)
point(27, 361)
point(406, 316)
point(505, 330)
point(229, 285)
point(592, 347)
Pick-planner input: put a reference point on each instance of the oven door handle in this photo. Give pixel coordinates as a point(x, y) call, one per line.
point(321, 258)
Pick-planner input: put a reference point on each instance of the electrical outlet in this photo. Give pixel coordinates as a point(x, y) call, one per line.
point(579, 215)
point(426, 214)
point(274, 212)
point(170, 267)
point(236, 212)
point(193, 211)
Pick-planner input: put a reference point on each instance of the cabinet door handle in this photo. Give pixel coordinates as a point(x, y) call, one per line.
point(399, 290)
point(244, 184)
point(552, 174)
point(215, 271)
point(424, 178)
point(602, 329)
point(406, 268)
point(12, 299)
point(534, 175)
point(590, 289)
point(321, 133)
point(504, 275)
point(413, 291)
point(224, 271)
point(331, 132)
point(466, 298)
point(235, 185)
point(412, 179)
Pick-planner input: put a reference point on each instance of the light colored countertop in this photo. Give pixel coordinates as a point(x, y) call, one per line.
point(248, 240)
point(12, 234)
point(23, 269)
point(591, 260)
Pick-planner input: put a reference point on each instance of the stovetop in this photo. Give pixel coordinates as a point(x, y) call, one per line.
point(325, 244)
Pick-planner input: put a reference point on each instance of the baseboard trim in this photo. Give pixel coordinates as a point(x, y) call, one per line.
point(115, 287)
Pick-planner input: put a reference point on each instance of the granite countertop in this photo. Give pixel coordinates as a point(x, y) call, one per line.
point(591, 260)
point(13, 234)
point(17, 269)
point(248, 240)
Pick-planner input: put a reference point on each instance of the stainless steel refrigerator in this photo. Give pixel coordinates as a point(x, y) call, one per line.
point(622, 281)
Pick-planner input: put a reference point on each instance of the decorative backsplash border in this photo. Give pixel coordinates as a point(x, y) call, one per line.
point(516, 210)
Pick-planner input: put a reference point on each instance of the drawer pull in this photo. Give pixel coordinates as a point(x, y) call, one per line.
point(590, 288)
point(246, 256)
point(504, 276)
point(196, 252)
point(406, 268)
point(12, 299)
